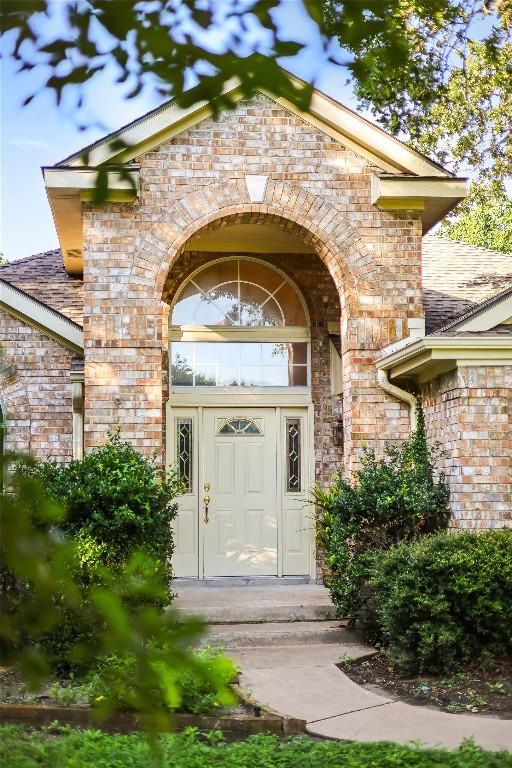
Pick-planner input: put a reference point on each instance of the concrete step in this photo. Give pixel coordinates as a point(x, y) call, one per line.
point(254, 604)
point(231, 636)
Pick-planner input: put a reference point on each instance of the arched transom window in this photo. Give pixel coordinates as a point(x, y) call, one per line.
point(239, 322)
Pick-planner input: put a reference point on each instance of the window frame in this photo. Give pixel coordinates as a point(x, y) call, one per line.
point(223, 333)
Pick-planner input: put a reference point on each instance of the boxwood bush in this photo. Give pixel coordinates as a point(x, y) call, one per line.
point(445, 600)
point(388, 500)
point(118, 503)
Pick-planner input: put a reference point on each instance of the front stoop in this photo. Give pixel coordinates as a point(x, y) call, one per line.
point(235, 636)
point(259, 601)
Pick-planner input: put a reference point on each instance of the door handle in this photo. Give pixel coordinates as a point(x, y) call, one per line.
point(206, 500)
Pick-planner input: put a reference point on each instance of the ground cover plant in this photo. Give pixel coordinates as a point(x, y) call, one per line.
point(445, 601)
point(388, 500)
point(72, 748)
point(484, 687)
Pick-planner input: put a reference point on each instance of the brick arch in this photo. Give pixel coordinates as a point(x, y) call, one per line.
point(286, 207)
point(16, 411)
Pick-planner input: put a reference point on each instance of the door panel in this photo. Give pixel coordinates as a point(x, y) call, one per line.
point(240, 538)
point(297, 512)
point(182, 451)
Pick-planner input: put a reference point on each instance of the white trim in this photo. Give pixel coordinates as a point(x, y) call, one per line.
point(250, 396)
point(45, 319)
point(428, 357)
point(238, 333)
point(498, 312)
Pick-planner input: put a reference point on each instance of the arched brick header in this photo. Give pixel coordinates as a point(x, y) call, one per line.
point(286, 207)
point(16, 411)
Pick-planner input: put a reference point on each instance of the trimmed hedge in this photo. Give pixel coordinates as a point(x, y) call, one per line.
point(71, 749)
point(445, 600)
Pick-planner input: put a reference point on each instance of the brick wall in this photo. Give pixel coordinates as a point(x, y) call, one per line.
point(469, 411)
point(35, 391)
point(317, 188)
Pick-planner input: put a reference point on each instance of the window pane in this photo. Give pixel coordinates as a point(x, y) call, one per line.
point(184, 452)
point(291, 305)
point(275, 376)
point(227, 376)
point(298, 376)
point(246, 364)
point(205, 375)
point(238, 292)
point(293, 458)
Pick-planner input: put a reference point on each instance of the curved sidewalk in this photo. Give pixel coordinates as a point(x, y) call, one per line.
point(302, 681)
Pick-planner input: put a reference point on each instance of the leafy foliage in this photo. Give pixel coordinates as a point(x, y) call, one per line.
point(446, 599)
point(31, 749)
point(113, 683)
point(483, 219)
point(120, 609)
point(118, 502)
point(390, 499)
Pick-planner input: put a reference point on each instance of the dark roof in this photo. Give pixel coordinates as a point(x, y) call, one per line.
point(475, 310)
point(457, 277)
point(43, 276)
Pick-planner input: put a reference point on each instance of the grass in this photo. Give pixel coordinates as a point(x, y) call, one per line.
point(70, 748)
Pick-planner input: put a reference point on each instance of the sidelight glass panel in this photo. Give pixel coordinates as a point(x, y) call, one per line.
point(184, 452)
point(293, 456)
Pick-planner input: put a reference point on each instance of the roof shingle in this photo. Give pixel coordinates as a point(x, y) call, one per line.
point(43, 276)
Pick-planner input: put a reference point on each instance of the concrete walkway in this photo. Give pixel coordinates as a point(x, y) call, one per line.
point(303, 681)
point(283, 635)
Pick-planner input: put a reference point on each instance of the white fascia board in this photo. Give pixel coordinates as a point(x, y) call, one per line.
point(84, 180)
point(155, 124)
point(45, 319)
point(388, 187)
point(495, 314)
point(459, 349)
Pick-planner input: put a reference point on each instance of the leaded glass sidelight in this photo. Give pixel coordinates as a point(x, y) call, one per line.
point(184, 452)
point(293, 455)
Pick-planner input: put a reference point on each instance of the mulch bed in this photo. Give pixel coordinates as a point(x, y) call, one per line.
point(479, 689)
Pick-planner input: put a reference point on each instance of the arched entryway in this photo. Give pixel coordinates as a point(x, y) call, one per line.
point(249, 378)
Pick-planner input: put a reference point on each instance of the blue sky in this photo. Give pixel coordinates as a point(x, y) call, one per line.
point(42, 133)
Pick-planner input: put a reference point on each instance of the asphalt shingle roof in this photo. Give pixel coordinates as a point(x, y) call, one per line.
point(456, 278)
point(43, 276)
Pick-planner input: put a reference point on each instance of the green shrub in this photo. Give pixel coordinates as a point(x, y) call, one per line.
point(446, 599)
point(113, 685)
point(118, 503)
point(33, 749)
point(388, 500)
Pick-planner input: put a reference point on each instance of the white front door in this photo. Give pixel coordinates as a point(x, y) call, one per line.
point(239, 477)
point(247, 477)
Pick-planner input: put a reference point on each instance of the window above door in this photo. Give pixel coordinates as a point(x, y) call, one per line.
point(239, 322)
point(238, 292)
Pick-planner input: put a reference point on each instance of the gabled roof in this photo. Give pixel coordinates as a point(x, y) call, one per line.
point(335, 119)
point(490, 316)
point(48, 321)
point(43, 276)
